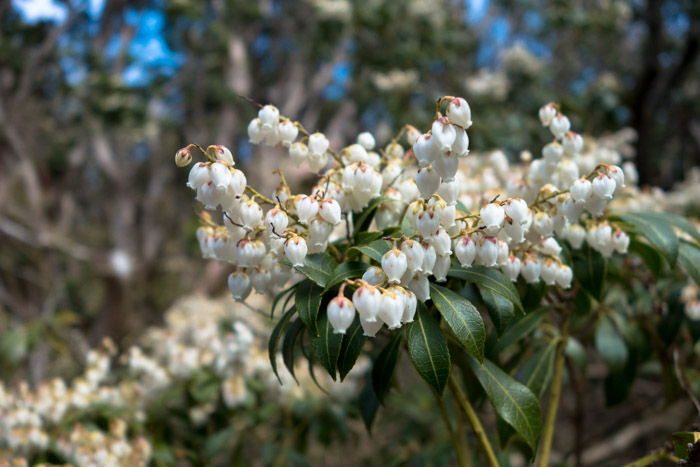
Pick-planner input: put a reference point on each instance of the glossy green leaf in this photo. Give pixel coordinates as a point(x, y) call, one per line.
point(618, 383)
point(655, 229)
point(461, 207)
point(610, 345)
point(678, 222)
point(490, 278)
point(512, 400)
point(384, 366)
point(274, 341)
point(362, 238)
point(500, 309)
point(369, 404)
point(406, 227)
point(374, 250)
point(519, 328)
point(651, 256)
point(348, 270)
point(317, 267)
point(537, 370)
point(462, 317)
point(590, 269)
point(428, 350)
point(279, 297)
point(308, 302)
point(689, 257)
point(326, 346)
point(290, 338)
point(353, 342)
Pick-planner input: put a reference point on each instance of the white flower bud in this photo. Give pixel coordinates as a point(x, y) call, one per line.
point(366, 140)
point(307, 208)
point(549, 272)
point(573, 143)
point(237, 184)
point(199, 176)
point(374, 275)
point(442, 266)
point(370, 329)
point(261, 280)
point(319, 231)
point(515, 231)
point(543, 225)
point(280, 274)
point(317, 161)
point(447, 214)
point(620, 241)
point(503, 252)
point(298, 153)
point(410, 305)
point(183, 157)
point(428, 223)
point(442, 242)
point(414, 255)
point(256, 134)
point(547, 114)
point(276, 221)
point(530, 270)
point(487, 251)
point(367, 300)
point(288, 132)
point(251, 215)
point(511, 268)
point(492, 217)
point(269, 117)
point(618, 175)
point(221, 174)
point(459, 113)
point(449, 191)
point(444, 135)
point(630, 172)
point(604, 186)
point(575, 235)
point(516, 209)
point(560, 126)
point(224, 155)
point(552, 152)
point(330, 211)
point(295, 250)
point(341, 314)
point(394, 265)
point(564, 276)
point(596, 205)
point(318, 144)
point(425, 150)
point(465, 251)
point(420, 285)
point(390, 173)
point(446, 166)
point(355, 153)
point(550, 247)
point(428, 181)
point(460, 147)
point(392, 308)
point(429, 258)
point(240, 286)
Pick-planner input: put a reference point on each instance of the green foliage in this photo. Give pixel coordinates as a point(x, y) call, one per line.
point(427, 348)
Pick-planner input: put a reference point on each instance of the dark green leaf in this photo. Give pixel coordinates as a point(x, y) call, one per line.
point(317, 267)
point(536, 371)
point(464, 320)
point(501, 310)
point(589, 270)
point(610, 345)
point(519, 327)
point(651, 256)
point(618, 383)
point(369, 404)
point(374, 250)
point(217, 443)
point(362, 238)
point(678, 222)
point(353, 342)
point(583, 303)
point(308, 301)
point(326, 346)
point(681, 440)
point(513, 401)
point(348, 270)
point(290, 338)
point(689, 257)
point(655, 229)
point(428, 350)
point(274, 341)
point(490, 278)
point(384, 366)
point(279, 297)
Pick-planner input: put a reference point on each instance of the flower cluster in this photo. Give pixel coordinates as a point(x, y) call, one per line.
point(451, 207)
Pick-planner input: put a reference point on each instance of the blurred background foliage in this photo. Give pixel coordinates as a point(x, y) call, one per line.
point(96, 228)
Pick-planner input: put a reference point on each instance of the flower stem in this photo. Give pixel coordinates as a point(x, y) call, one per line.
point(473, 419)
point(652, 459)
point(461, 459)
point(554, 396)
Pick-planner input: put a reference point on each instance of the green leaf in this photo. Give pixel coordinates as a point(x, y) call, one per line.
point(576, 352)
point(518, 328)
point(461, 207)
point(610, 345)
point(363, 220)
point(462, 317)
point(374, 250)
point(353, 342)
point(308, 302)
point(406, 227)
point(279, 297)
point(513, 401)
point(326, 346)
point(274, 341)
point(619, 382)
point(678, 222)
point(317, 267)
point(681, 440)
point(369, 404)
point(362, 238)
point(428, 350)
point(655, 229)
point(589, 270)
point(290, 338)
point(536, 371)
point(651, 256)
point(384, 367)
point(490, 278)
point(689, 257)
point(500, 309)
point(348, 270)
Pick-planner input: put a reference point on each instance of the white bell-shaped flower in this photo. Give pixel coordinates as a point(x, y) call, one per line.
point(511, 268)
point(552, 152)
point(261, 280)
point(298, 153)
point(428, 223)
point(560, 126)
point(295, 250)
point(620, 241)
point(251, 215)
point(429, 258)
point(604, 186)
point(366, 140)
point(428, 181)
point(330, 211)
point(341, 314)
point(441, 268)
point(444, 135)
point(307, 208)
point(530, 270)
point(224, 155)
point(424, 150)
point(374, 275)
point(276, 221)
point(515, 231)
point(394, 265)
point(392, 308)
point(550, 247)
point(319, 231)
point(492, 217)
point(564, 276)
point(256, 134)
point(414, 255)
point(442, 242)
point(549, 271)
point(239, 284)
point(459, 113)
point(446, 166)
point(487, 251)
point(367, 300)
point(449, 191)
point(420, 286)
point(410, 305)
point(465, 251)
point(460, 147)
point(516, 209)
point(575, 234)
point(318, 143)
point(543, 224)
point(573, 144)
point(221, 175)
point(371, 328)
point(199, 175)
point(547, 113)
point(288, 132)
